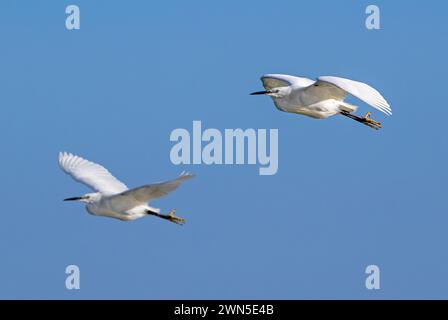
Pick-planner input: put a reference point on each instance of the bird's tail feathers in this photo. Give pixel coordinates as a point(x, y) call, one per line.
point(347, 107)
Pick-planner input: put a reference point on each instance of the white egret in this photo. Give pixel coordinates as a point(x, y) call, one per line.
point(322, 98)
point(112, 197)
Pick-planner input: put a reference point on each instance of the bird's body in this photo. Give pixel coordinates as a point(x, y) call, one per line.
point(322, 98)
point(113, 198)
point(118, 207)
point(317, 110)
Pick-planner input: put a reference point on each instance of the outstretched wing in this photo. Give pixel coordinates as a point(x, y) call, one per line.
point(283, 80)
point(148, 192)
point(91, 174)
point(338, 88)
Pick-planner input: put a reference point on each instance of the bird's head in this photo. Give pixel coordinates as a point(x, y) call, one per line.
point(279, 92)
point(87, 198)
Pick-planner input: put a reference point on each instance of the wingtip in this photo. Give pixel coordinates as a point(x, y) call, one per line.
point(61, 159)
point(64, 154)
point(187, 174)
point(387, 109)
point(61, 155)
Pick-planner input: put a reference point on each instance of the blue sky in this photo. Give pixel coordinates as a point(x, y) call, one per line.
point(344, 197)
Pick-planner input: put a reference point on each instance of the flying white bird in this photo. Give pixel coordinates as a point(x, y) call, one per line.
point(322, 98)
point(112, 198)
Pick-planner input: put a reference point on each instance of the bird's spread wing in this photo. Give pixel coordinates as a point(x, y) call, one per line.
point(337, 88)
point(156, 190)
point(282, 80)
point(91, 174)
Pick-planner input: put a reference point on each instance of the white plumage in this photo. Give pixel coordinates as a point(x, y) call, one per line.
point(91, 174)
point(112, 197)
point(322, 98)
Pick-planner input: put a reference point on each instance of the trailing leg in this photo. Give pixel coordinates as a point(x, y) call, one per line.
point(170, 217)
point(364, 120)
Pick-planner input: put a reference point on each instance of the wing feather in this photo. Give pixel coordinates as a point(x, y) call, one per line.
point(91, 174)
point(358, 89)
point(156, 190)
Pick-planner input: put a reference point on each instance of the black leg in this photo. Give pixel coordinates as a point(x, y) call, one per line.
point(170, 217)
point(365, 120)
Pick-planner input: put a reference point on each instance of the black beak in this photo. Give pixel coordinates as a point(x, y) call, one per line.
point(73, 199)
point(259, 92)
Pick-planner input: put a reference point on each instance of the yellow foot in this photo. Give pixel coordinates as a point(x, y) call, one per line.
point(173, 218)
point(370, 122)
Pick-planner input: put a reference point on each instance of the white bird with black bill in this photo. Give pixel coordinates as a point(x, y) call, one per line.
point(112, 197)
point(322, 98)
